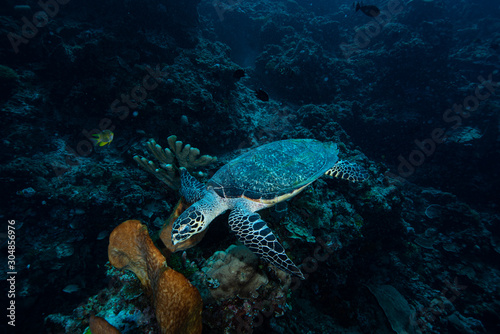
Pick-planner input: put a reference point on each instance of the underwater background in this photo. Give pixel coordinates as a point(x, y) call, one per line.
point(408, 89)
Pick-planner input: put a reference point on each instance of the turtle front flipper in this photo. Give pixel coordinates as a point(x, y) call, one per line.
point(192, 189)
point(348, 171)
point(253, 232)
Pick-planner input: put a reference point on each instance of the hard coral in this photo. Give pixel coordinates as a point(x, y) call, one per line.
point(186, 156)
point(236, 271)
point(237, 293)
point(177, 303)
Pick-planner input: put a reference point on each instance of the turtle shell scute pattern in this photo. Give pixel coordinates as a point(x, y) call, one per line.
point(274, 169)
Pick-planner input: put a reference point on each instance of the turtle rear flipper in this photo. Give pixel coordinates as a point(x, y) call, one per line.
point(253, 232)
point(348, 171)
point(192, 189)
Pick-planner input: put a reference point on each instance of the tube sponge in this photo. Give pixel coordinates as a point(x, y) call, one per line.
point(177, 303)
point(99, 325)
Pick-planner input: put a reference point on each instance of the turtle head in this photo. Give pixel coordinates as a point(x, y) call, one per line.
point(190, 222)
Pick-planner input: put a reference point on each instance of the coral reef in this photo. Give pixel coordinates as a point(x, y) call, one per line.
point(412, 94)
point(123, 304)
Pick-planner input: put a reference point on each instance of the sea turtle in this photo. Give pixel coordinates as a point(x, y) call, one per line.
point(258, 179)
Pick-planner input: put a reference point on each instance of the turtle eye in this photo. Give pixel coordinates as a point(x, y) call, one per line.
point(184, 229)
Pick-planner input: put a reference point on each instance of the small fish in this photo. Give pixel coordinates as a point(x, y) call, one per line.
point(71, 288)
point(103, 138)
point(102, 235)
point(212, 283)
point(238, 74)
point(369, 10)
point(261, 95)
point(285, 70)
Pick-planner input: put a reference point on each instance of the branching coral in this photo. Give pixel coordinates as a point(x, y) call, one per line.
point(186, 156)
point(177, 303)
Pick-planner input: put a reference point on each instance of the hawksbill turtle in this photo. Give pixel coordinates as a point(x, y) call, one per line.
point(258, 179)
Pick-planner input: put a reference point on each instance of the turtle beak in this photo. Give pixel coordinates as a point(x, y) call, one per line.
point(180, 233)
point(177, 238)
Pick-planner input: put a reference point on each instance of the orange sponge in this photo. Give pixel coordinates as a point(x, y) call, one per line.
point(99, 325)
point(177, 303)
